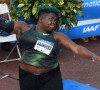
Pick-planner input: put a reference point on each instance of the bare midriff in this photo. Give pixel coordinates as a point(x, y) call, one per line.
point(32, 69)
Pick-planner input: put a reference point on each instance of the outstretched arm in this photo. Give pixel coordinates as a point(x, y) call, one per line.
point(64, 41)
point(16, 27)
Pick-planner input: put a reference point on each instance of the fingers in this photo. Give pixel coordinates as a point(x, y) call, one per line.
point(95, 58)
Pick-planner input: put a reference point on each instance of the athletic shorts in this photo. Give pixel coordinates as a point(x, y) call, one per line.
point(50, 80)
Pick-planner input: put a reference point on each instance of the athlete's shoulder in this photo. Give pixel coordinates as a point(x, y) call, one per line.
point(58, 34)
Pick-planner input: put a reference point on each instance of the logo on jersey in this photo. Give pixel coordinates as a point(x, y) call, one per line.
point(45, 34)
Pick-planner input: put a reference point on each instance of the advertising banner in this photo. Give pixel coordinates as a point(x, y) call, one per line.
point(89, 25)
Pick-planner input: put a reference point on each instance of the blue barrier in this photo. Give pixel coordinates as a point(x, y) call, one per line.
point(73, 85)
point(89, 25)
point(83, 31)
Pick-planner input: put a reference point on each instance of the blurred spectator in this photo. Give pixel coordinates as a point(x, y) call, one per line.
point(4, 11)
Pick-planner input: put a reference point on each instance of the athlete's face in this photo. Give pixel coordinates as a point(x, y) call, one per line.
point(49, 21)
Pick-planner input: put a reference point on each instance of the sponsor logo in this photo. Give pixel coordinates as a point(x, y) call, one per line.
point(7, 21)
point(45, 34)
point(92, 3)
point(62, 27)
point(92, 28)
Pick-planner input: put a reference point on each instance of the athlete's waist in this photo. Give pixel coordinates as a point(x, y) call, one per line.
point(33, 69)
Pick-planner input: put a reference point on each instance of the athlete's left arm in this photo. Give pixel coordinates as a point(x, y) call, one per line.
point(64, 41)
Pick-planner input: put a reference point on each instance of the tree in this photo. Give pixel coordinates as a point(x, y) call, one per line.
point(28, 9)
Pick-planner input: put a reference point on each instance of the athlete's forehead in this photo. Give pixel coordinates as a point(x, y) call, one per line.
point(48, 14)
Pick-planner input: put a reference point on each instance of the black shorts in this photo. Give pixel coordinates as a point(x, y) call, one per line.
point(47, 81)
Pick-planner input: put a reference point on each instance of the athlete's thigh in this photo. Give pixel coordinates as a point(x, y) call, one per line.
point(52, 82)
point(26, 80)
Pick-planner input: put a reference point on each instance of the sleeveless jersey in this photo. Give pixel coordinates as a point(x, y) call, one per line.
point(38, 49)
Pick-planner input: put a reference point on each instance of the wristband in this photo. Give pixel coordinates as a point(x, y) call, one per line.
point(6, 25)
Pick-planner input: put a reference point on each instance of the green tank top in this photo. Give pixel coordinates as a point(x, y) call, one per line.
point(38, 49)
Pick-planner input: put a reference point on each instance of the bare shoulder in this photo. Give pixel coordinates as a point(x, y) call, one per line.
point(21, 26)
point(63, 40)
point(59, 36)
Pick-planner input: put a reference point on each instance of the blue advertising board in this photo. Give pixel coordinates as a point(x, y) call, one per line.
point(89, 25)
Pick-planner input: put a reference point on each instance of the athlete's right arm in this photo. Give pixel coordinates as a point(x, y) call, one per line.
point(15, 27)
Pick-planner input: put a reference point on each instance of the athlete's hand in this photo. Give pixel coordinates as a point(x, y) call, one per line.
point(95, 58)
